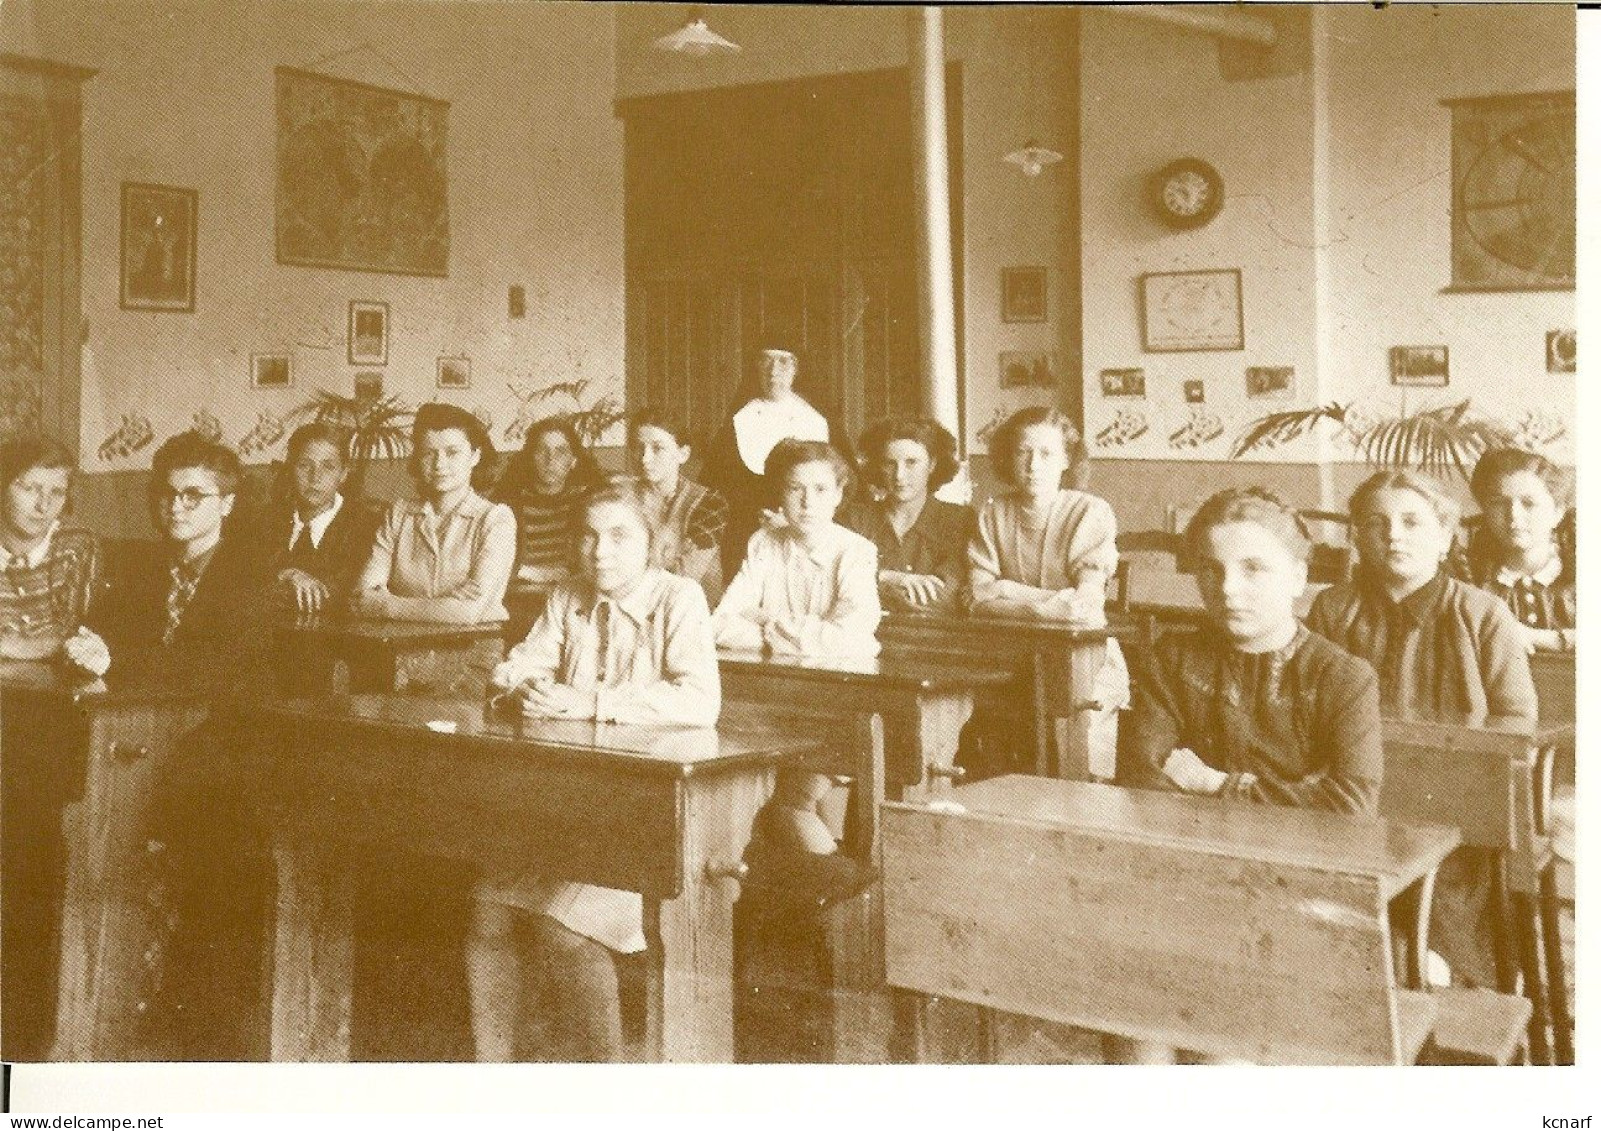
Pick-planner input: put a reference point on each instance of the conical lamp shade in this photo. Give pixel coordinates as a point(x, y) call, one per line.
point(1032, 158)
point(697, 40)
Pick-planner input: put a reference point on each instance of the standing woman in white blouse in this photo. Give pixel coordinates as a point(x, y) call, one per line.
point(737, 457)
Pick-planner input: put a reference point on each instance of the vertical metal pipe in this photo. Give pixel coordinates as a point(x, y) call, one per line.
point(936, 284)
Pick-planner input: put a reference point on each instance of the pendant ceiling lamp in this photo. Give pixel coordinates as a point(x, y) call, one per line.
point(696, 40)
point(1033, 157)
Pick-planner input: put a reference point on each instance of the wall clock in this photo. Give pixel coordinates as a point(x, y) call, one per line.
point(1514, 206)
point(1188, 193)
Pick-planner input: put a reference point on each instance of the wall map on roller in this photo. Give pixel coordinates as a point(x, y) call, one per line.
point(362, 177)
point(1514, 202)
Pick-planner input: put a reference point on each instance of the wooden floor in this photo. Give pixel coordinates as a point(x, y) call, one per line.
point(414, 991)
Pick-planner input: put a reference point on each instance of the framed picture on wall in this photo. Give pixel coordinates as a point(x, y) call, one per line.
point(270, 371)
point(1191, 311)
point(454, 373)
point(1424, 367)
point(1023, 294)
point(1035, 369)
point(368, 335)
point(1270, 382)
point(158, 248)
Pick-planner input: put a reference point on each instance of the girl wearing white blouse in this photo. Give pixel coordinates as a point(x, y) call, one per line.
point(808, 587)
point(623, 642)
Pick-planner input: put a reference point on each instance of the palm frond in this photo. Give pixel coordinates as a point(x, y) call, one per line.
point(1436, 440)
point(1281, 427)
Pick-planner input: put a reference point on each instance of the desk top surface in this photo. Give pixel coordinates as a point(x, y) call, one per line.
point(891, 670)
point(391, 632)
point(1423, 727)
point(743, 735)
point(981, 631)
point(1396, 854)
point(116, 689)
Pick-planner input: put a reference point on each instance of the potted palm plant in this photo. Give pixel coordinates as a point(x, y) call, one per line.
point(1437, 440)
point(379, 426)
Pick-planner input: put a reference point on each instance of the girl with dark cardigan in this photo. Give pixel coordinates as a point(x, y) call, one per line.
point(1252, 706)
point(1443, 649)
point(922, 541)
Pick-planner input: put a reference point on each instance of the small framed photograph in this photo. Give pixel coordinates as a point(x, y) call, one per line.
point(1424, 367)
point(1192, 311)
point(368, 386)
point(368, 333)
point(1561, 351)
point(454, 373)
point(1269, 382)
point(1028, 370)
point(1023, 294)
point(158, 248)
point(1195, 392)
point(270, 371)
point(1122, 382)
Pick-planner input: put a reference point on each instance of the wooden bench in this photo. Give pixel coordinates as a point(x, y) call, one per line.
point(1235, 930)
point(1492, 781)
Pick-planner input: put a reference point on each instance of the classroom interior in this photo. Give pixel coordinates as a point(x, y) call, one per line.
point(623, 221)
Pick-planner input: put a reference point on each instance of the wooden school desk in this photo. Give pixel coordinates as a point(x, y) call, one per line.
point(84, 762)
point(356, 654)
point(920, 702)
point(665, 811)
point(1060, 661)
point(1225, 927)
point(1491, 780)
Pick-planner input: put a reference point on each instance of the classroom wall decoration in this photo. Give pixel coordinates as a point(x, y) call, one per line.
point(1195, 392)
point(1270, 382)
point(1023, 294)
point(271, 371)
point(367, 333)
point(158, 248)
point(1127, 426)
point(362, 180)
point(133, 433)
point(207, 424)
point(1561, 351)
point(1122, 382)
point(1514, 201)
point(1033, 369)
point(1424, 367)
point(263, 436)
point(1192, 311)
point(453, 373)
point(1201, 426)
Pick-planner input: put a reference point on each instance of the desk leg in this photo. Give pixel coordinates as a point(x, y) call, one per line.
point(313, 963)
point(1043, 725)
point(689, 1011)
point(1526, 910)
point(940, 719)
point(1067, 680)
point(1556, 967)
point(1413, 908)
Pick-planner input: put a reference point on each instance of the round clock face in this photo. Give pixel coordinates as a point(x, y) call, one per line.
point(1518, 197)
point(1187, 193)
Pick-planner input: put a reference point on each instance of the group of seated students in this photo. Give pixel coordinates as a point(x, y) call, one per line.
point(1255, 706)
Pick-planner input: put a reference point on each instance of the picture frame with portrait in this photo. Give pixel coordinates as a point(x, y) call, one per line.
point(271, 371)
point(453, 373)
point(367, 336)
point(157, 265)
point(1023, 294)
point(1420, 367)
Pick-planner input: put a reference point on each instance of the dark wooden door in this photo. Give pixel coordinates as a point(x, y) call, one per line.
point(782, 207)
